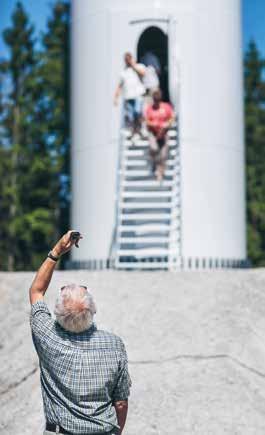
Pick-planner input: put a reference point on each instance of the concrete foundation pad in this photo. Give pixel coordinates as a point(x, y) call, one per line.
point(195, 343)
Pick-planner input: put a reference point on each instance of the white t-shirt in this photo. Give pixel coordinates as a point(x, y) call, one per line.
point(150, 79)
point(131, 83)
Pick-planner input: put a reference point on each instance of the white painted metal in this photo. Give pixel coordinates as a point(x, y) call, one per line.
point(149, 265)
point(146, 216)
point(142, 153)
point(160, 241)
point(146, 194)
point(146, 183)
point(144, 205)
point(174, 63)
point(146, 228)
point(143, 143)
point(208, 46)
point(145, 172)
point(143, 239)
point(143, 253)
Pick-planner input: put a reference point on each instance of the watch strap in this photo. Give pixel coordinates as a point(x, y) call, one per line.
point(52, 257)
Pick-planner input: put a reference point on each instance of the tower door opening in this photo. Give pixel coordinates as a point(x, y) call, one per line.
point(152, 50)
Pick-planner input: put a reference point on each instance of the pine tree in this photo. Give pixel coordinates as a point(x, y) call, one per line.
point(255, 153)
point(56, 76)
point(29, 215)
point(34, 138)
point(4, 172)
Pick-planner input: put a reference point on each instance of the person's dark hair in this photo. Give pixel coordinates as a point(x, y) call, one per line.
point(157, 94)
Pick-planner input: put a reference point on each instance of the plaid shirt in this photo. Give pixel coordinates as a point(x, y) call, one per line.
point(81, 374)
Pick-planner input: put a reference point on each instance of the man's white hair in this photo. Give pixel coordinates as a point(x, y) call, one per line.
point(75, 308)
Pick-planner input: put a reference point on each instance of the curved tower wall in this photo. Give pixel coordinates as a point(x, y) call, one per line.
point(206, 40)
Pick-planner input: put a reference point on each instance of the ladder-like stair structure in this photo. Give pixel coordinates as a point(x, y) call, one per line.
point(148, 224)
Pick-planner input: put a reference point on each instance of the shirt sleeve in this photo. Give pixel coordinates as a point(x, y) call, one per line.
point(41, 324)
point(123, 385)
point(170, 111)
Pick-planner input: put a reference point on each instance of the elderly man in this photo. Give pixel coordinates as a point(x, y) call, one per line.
point(83, 370)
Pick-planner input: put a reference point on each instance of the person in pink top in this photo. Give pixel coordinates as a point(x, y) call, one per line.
point(158, 117)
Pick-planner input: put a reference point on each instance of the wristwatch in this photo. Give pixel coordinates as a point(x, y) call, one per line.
point(52, 257)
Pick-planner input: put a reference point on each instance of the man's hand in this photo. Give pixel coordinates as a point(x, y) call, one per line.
point(140, 69)
point(65, 244)
point(44, 274)
point(117, 94)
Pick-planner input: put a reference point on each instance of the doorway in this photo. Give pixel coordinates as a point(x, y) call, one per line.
point(153, 49)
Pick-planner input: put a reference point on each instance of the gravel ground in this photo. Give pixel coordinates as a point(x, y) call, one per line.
point(195, 342)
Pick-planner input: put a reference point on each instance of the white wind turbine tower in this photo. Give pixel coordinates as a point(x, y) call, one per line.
point(196, 219)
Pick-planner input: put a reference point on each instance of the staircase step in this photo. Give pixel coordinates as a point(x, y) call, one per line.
point(142, 265)
point(145, 143)
point(147, 183)
point(142, 153)
point(143, 253)
point(147, 216)
point(145, 164)
point(145, 172)
point(144, 239)
point(147, 205)
point(129, 163)
point(150, 194)
point(171, 132)
point(146, 228)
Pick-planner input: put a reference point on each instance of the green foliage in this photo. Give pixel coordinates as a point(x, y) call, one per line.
point(55, 71)
point(255, 153)
point(34, 139)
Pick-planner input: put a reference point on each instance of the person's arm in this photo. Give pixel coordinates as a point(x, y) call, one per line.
point(121, 408)
point(140, 69)
point(150, 123)
point(148, 119)
point(169, 122)
point(121, 391)
point(117, 94)
point(166, 126)
point(44, 274)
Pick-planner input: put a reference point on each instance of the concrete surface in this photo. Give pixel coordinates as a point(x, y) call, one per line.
point(195, 342)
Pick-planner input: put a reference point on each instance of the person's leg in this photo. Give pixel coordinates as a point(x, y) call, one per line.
point(163, 154)
point(128, 114)
point(153, 150)
point(138, 115)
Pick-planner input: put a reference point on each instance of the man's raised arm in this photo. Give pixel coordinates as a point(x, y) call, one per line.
point(44, 274)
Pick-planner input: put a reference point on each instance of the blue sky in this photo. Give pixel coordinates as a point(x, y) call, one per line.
point(253, 18)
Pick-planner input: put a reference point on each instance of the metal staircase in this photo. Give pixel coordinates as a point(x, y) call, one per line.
point(148, 225)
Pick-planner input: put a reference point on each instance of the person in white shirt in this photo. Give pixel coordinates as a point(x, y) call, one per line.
point(133, 90)
point(151, 79)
